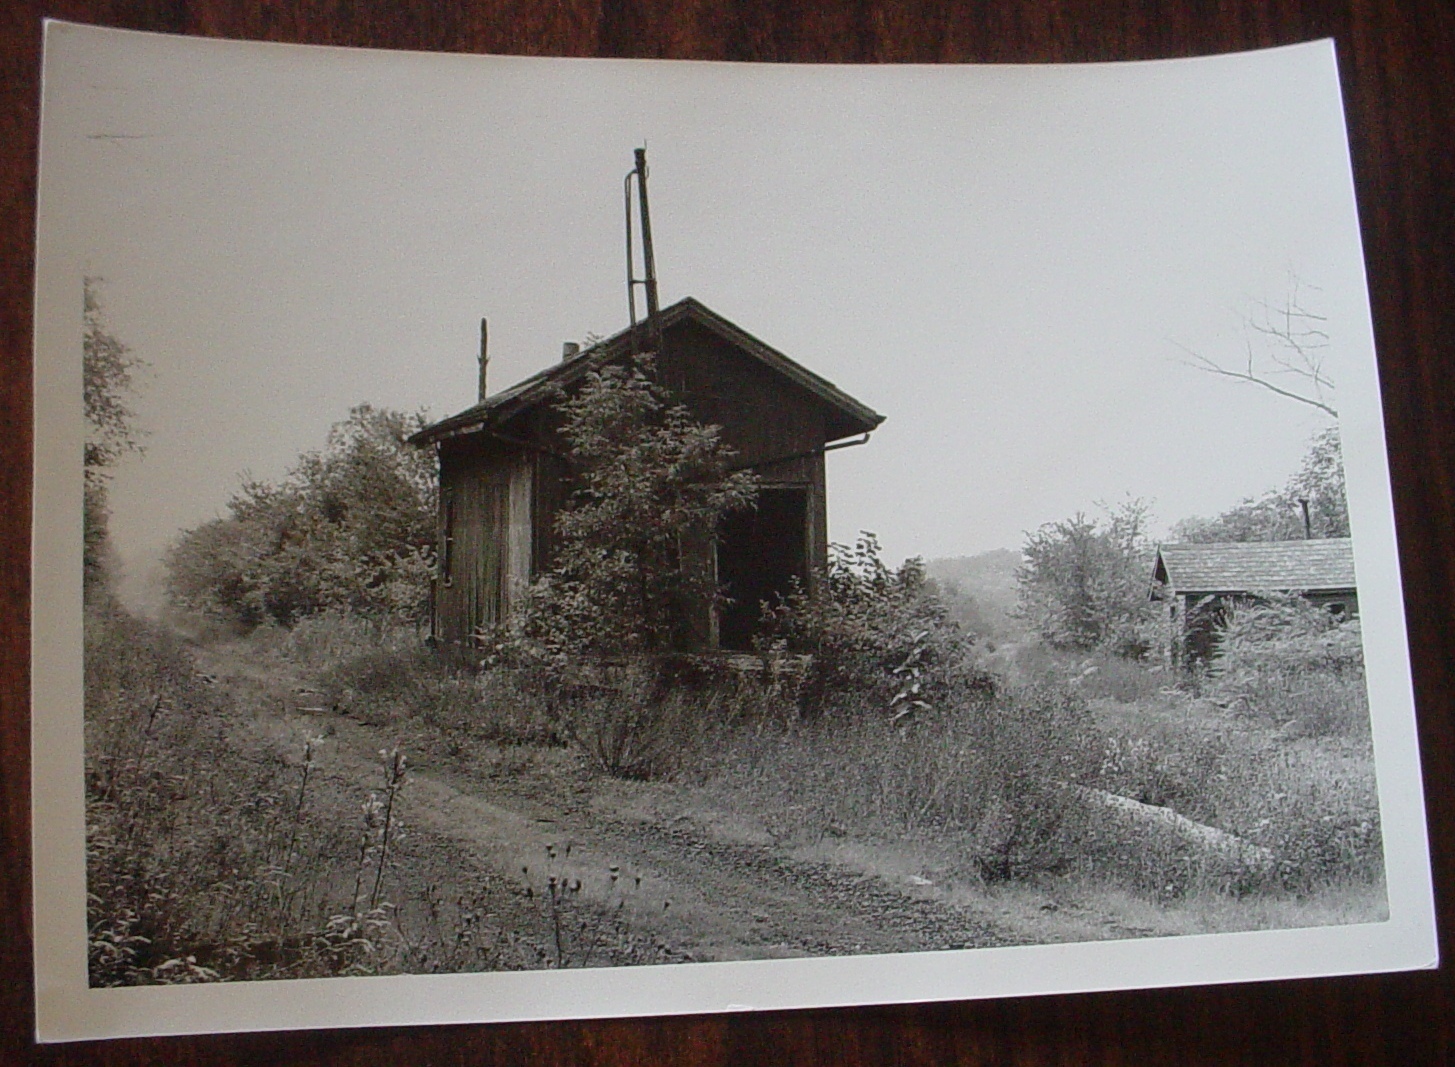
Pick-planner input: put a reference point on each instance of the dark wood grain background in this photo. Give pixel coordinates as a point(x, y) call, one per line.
point(1398, 64)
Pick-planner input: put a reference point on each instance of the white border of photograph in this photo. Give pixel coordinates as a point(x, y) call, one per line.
point(68, 1009)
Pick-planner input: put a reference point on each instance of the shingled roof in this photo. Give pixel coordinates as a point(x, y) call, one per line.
point(850, 416)
point(1321, 565)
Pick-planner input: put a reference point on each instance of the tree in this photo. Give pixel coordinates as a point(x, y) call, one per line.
point(350, 528)
point(1284, 349)
point(1083, 584)
point(109, 373)
point(1278, 514)
point(635, 538)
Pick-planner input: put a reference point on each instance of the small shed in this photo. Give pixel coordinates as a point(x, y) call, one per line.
point(504, 478)
point(1196, 581)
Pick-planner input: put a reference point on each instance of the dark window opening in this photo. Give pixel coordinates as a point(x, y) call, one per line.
point(760, 553)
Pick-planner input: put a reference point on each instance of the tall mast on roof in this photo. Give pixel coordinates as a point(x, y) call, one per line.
point(648, 338)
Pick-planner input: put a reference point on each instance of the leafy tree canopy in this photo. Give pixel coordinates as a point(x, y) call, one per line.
point(109, 378)
point(351, 527)
point(1278, 514)
point(1083, 584)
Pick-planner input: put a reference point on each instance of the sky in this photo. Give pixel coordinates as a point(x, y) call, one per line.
point(1011, 264)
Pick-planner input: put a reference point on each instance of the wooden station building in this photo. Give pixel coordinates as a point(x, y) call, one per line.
point(504, 478)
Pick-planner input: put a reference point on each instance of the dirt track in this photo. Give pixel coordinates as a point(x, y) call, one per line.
point(647, 876)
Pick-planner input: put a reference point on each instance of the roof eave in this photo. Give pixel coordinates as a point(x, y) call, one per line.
point(1304, 589)
point(858, 418)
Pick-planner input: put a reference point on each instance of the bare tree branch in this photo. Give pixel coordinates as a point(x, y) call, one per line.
point(1292, 343)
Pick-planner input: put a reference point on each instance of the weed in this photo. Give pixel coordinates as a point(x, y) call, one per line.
point(587, 919)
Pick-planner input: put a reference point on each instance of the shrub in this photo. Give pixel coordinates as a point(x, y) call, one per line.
point(206, 856)
point(1083, 582)
point(110, 374)
point(1112, 677)
point(621, 724)
point(381, 673)
point(1315, 805)
point(998, 775)
point(1289, 661)
point(1040, 745)
point(880, 639)
point(632, 559)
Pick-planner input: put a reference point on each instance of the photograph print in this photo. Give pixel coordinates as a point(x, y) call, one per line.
point(714, 533)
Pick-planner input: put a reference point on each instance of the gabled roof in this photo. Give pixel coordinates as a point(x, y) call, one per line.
point(853, 417)
point(1321, 565)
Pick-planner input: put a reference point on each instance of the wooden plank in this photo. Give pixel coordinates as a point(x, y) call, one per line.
point(516, 564)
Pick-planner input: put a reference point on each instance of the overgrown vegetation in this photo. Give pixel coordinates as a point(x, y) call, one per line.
point(110, 373)
point(1084, 581)
point(351, 528)
point(880, 639)
point(634, 552)
point(221, 847)
point(207, 855)
point(1291, 663)
point(225, 840)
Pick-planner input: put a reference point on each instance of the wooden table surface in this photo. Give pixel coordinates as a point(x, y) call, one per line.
point(1398, 63)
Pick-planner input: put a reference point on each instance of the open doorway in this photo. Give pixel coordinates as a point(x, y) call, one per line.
point(760, 551)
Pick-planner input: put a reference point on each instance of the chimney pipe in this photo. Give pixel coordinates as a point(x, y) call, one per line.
point(569, 349)
point(649, 262)
point(1308, 526)
point(649, 337)
point(484, 354)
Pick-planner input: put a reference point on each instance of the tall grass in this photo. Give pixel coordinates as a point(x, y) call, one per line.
point(1286, 661)
point(216, 851)
point(384, 675)
point(193, 849)
point(992, 773)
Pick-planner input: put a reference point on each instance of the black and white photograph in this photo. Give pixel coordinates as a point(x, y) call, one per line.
point(561, 538)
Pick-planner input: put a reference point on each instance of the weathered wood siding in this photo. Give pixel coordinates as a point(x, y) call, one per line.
point(763, 417)
point(773, 425)
point(485, 518)
point(505, 496)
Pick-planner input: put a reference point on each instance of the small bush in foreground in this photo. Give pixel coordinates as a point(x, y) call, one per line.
point(881, 639)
